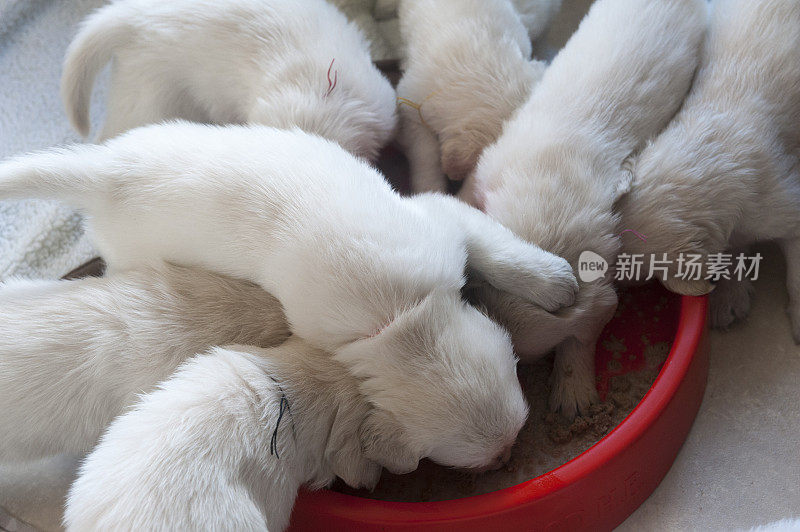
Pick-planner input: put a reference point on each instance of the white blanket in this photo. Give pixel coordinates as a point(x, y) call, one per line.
point(37, 238)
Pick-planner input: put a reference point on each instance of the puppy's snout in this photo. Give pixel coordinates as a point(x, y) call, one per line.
point(502, 459)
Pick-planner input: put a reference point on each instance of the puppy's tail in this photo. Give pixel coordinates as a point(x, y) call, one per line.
point(70, 174)
point(99, 37)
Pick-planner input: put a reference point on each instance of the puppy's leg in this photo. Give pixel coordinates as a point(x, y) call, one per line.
point(196, 454)
point(730, 302)
point(573, 378)
point(791, 251)
point(503, 259)
point(422, 148)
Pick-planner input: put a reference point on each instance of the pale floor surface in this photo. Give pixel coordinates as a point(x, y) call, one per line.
point(740, 465)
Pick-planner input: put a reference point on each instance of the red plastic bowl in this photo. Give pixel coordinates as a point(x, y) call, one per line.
point(595, 491)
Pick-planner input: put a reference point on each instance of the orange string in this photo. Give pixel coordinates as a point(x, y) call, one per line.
point(417, 106)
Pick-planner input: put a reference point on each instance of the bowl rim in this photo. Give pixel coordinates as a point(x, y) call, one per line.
point(687, 343)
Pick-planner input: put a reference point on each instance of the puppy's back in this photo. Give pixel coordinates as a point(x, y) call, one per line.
point(74, 354)
point(625, 70)
point(752, 61)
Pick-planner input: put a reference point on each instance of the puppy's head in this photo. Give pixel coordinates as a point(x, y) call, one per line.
point(360, 126)
point(442, 378)
point(359, 116)
point(677, 221)
point(468, 131)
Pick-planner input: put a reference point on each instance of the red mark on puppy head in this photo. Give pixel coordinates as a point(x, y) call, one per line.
point(332, 82)
point(639, 235)
point(380, 330)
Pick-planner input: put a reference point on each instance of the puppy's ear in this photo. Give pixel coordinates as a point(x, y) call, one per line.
point(383, 441)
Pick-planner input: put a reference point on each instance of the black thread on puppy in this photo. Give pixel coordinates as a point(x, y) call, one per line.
point(273, 443)
point(282, 407)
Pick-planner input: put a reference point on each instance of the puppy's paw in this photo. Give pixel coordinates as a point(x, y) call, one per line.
point(359, 473)
point(573, 392)
point(530, 273)
point(794, 316)
point(558, 287)
point(730, 302)
point(685, 287)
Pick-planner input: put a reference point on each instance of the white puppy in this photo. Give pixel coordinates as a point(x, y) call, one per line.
point(724, 174)
point(556, 171)
point(361, 272)
point(467, 69)
point(75, 354)
point(225, 443)
point(272, 62)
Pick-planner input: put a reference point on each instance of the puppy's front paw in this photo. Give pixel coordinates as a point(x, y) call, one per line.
point(730, 302)
point(362, 473)
point(559, 287)
point(794, 316)
point(685, 287)
point(573, 392)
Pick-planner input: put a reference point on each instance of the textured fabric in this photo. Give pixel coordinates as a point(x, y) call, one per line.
point(40, 239)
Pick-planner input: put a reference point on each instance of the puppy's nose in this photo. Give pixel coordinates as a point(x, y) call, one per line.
point(501, 459)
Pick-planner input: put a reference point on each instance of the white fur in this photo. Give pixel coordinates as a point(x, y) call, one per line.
point(231, 61)
point(725, 172)
point(75, 354)
point(556, 171)
point(467, 69)
point(361, 272)
point(198, 452)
